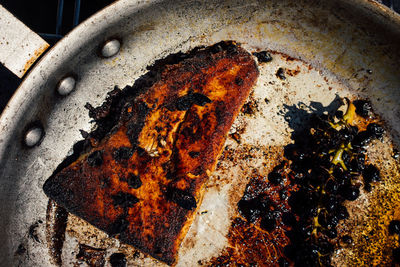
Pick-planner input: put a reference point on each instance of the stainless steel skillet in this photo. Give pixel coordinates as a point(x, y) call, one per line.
point(351, 47)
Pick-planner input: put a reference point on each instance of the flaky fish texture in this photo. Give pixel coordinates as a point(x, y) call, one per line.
point(140, 175)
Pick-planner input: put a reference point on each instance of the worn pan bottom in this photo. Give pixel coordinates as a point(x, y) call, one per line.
point(254, 146)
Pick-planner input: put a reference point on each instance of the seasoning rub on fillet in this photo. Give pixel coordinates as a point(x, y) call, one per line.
point(140, 175)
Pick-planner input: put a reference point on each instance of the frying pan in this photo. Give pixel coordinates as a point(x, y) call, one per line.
point(328, 49)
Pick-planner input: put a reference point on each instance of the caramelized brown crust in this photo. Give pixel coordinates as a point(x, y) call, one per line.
point(144, 179)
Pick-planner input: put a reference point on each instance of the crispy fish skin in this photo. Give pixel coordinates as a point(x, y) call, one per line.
point(143, 181)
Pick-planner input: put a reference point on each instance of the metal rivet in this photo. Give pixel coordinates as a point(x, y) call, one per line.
point(33, 136)
point(110, 48)
point(66, 85)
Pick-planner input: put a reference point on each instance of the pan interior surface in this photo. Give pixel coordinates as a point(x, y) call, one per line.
point(328, 49)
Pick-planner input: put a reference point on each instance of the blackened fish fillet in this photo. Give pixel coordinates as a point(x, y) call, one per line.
point(141, 178)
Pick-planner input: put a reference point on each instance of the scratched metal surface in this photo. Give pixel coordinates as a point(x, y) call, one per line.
point(333, 43)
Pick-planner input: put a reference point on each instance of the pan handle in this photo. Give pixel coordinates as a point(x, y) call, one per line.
point(20, 47)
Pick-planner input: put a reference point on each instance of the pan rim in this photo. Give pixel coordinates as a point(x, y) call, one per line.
point(90, 26)
point(24, 92)
point(26, 97)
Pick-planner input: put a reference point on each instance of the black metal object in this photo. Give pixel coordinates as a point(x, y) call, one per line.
point(59, 21)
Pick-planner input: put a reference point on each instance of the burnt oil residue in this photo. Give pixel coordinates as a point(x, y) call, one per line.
point(31, 240)
point(185, 102)
point(118, 260)
point(256, 236)
point(280, 73)
point(183, 198)
point(122, 153)
point(263, 56)
point(124, 200)
point(363, 108)
point(94, 257)
point(32, 232)
point(235, 136)
point(21, 249)
point(95, 159)
point(133, 181)
point(394, 229)
point(250, 107)
point(291, 217)
point(56, 224)
point(118, 226)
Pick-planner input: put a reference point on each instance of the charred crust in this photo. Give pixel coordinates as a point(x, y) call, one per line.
point(107, 115)
point(141, 152)
point(182, 103)
point(133, 132)
point(123, 115)
point(170, 175)
point(105, 182)
point(124, 200)
point(220, 111)
point(135, 127)
point(118, 226)
point(200, 99)
point(199, 170)
point(194, 154)
point(95, 159)
point(185, 102)
point(216, 48)
point(183, 198)
point(122, 153)
point(189, 132)
point(134, 181)
point(168, 169)
point(231, 48)
point(238, 81)
point(53, 190)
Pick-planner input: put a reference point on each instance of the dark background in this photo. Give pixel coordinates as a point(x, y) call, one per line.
point(41, 17)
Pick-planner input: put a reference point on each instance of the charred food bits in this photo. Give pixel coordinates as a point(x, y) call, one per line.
point(139, 176)
point(280, 73)
point(394, 228)
point(324, 164)
point(263, 56)
point(118, 260)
